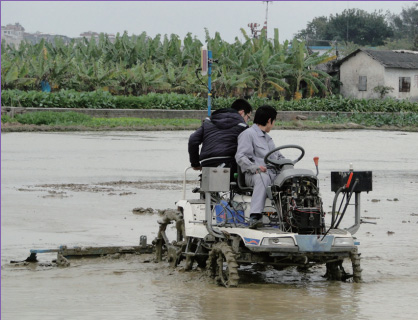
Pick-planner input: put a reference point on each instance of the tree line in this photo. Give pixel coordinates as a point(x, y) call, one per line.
point(138, 65)
point(358, 27)
point(262, 66)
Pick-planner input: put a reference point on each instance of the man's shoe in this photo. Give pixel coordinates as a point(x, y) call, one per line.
point(255, 223)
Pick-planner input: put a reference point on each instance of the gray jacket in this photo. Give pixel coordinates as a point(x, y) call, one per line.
point(253, 145)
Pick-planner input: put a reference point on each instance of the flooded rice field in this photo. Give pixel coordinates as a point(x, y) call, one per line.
point(81, 189)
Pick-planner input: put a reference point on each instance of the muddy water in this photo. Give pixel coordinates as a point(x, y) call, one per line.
point(79, 189)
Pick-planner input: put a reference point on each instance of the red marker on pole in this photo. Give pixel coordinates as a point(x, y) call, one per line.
point(349, 180)
point(316, 159)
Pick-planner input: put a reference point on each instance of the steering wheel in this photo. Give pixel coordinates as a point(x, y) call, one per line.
point(284, 161)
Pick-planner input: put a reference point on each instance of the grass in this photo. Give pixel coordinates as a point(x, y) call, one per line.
point(73, 121)
point(403, 119)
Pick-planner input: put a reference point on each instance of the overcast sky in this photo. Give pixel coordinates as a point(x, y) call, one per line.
point(71, 18)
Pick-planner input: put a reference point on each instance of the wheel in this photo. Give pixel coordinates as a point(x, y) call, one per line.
point(195, 252)
point(355, 262)
point(190, 260)
point(334, 271)
point(222, 265)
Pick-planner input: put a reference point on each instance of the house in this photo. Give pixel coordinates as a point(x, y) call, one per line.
point(36, 37)
point(363, 70)
point(94, 35)
point(12, 34)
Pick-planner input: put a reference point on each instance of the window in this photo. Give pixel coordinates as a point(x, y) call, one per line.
point(362, 83)
point(404, 84)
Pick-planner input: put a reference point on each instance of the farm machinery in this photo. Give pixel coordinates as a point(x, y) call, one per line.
point(213, 231)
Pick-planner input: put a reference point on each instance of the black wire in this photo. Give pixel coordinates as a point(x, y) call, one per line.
point(201, 81)
point(333, 211)
point(212, 92)
point(346, 205)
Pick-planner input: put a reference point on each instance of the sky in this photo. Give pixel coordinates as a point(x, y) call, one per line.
point(70, 18)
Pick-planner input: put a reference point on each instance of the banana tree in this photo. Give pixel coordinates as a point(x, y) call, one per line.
point(229, 84)
point(268, 72)
point(93, 75)
point(14, 74)
point(151, 78)
point(303, 68)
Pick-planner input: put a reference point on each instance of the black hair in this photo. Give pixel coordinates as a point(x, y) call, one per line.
point(241, 104)
point(263, 114)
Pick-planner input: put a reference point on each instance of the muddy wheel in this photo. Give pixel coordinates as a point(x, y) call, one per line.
point(355, 261)
point(201, 262)
point(190, 260)
point(195, 252)
point(335, 271)
point(222, 265)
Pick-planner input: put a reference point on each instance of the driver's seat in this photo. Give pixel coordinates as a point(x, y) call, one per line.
point(241, 181)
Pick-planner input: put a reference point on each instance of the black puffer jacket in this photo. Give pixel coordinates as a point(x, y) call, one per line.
point(218, 136)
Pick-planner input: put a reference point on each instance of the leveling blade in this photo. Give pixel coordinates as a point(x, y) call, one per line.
point(88, 251)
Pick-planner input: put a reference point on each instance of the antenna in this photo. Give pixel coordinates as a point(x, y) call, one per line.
point(253, 26)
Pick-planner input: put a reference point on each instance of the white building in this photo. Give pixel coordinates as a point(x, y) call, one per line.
point(363, 70)
point(12, 34)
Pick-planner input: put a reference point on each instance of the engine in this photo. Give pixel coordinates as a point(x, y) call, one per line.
point(299, 205)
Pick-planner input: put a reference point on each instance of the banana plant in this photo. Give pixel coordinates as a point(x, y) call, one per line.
point(229, 84)
point(302, 68)
point(14, 74)
point(94, 75)
point(268, 72)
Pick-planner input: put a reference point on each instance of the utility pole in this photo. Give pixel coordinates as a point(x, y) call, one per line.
point(267, 14)
point(348, 16)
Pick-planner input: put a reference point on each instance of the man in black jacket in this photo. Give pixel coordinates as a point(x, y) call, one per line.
point(218, 136)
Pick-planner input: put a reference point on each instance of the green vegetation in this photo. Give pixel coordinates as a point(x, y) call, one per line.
point(364, 28)
point(138, 65)
point(400, 120)
point(354, 28)
point(69, 121)
point(174, 101)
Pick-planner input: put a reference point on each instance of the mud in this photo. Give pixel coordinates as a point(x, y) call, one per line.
point(107, 189)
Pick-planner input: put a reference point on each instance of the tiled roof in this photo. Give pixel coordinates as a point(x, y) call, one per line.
point(402, 59)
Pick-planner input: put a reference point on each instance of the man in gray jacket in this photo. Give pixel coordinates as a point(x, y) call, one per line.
point(253, 144)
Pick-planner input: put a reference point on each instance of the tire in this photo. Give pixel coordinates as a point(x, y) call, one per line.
point(222, 265)
point(355, 262)
point(334, 271)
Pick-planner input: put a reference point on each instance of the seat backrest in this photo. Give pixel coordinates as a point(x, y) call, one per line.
point(241, 181)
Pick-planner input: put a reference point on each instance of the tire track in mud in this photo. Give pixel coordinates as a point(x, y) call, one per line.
point(121, 188)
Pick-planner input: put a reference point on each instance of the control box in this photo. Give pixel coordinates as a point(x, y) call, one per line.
point(340, 178)
point(215, 179)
